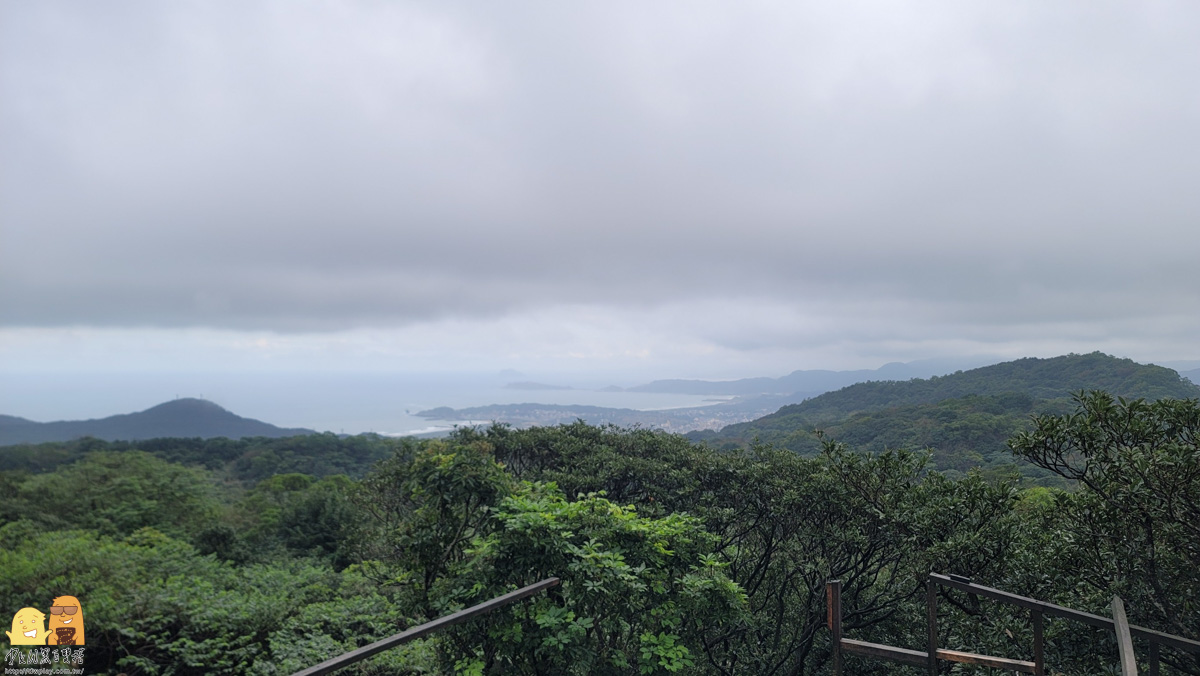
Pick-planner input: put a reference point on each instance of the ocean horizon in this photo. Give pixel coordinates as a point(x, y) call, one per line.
point(342, 403)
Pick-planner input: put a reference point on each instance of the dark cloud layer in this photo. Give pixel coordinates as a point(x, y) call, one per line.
point(999, 170)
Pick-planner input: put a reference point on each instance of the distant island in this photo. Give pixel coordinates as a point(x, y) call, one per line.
point(710, 417)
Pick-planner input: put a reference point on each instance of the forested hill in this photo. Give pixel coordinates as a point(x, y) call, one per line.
point(1193, 375)
point(185, 418)
point(965, 418)
point(1054, 378)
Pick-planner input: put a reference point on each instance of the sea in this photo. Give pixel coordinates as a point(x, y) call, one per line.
point(342, 403)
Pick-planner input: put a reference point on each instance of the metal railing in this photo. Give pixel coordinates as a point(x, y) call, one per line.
point(1038, 610)
point(345, 660)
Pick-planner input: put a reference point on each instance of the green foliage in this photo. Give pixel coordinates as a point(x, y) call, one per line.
point(286, 514)
point(152, 605)
point(245, 460)
point(786, 524)
point(1133, 528)
point(115, 494)
point(636, 594)
point(635, 591)
point(424, 509)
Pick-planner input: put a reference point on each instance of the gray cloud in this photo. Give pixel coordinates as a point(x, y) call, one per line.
point(950, 170)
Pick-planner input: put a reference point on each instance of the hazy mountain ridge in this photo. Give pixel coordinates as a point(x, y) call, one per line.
point(813, 380)
point(185, 418)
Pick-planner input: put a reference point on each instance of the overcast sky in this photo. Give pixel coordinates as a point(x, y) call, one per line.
point(668, 189)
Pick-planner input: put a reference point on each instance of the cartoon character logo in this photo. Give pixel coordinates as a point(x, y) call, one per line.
point(66, 622)
point(28, 628)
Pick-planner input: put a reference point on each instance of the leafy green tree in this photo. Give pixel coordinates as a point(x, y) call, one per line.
point(786, 524)
point(638, 595)
point(424, 510)
point(319, 520)
point(297, 512)
point(1133, 528)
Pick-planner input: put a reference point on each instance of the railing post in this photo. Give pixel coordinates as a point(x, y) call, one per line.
point(833, 604)
point(1039, 651)
point(1124, 640)
point(1153, 658)
point(931, 611)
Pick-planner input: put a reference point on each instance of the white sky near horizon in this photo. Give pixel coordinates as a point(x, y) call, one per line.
point(617, 191)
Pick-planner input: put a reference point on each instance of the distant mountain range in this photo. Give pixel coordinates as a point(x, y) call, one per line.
point(187, 418)
point(813, 381)
point(816, 400)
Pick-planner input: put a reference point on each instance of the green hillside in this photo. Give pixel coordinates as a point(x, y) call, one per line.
point(965, 418)
point(181, 418)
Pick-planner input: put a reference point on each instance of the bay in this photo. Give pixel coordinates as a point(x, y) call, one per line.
point(343, 403)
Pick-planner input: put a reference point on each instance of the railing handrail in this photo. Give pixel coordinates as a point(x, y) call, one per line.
point(346, 659)
point(1177, 642)
point(1037, 609)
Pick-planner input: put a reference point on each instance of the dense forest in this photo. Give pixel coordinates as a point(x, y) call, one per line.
point(268, 555)
point(241, 461)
